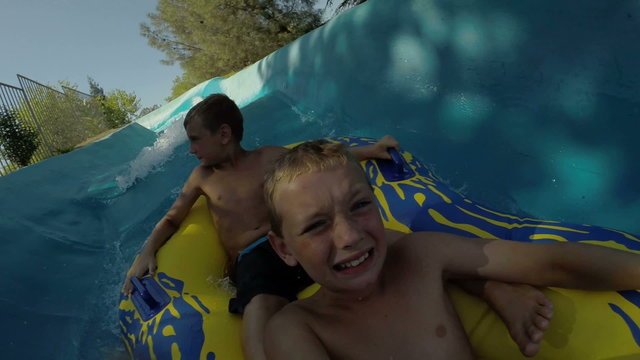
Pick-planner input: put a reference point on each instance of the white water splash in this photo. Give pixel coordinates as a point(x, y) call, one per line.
point(225, 284)
point(151, 158)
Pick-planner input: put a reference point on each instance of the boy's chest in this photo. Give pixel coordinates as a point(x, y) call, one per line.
point(234, 188)
point(407, 324)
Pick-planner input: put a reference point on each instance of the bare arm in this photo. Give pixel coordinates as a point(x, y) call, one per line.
point(167, 226)
point(375, 151)
point(287, 337)
point(568, 265)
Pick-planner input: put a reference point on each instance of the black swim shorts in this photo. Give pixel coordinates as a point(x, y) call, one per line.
point(259, 270)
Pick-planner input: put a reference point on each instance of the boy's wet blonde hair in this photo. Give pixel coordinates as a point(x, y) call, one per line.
point(310, 156)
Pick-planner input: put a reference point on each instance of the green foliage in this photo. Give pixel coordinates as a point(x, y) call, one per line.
point(86, 109)
point(58, 121)
point(148, 110)
point(66, 120)
point(63, 119)
point(210, 38)
point(18, 140)
point(345, 4)
point(181, 84)
point(57, 117)
point(120, 107)
point(95, 90)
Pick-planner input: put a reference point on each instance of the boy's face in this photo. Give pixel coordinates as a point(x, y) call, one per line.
point(205, 145)
point(332, 227)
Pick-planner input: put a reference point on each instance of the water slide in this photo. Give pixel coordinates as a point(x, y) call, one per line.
point(530, 108)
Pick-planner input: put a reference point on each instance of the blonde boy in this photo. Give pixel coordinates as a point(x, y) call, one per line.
point(382, 294)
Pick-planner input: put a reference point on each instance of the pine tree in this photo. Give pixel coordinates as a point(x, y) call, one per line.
point(210, 38)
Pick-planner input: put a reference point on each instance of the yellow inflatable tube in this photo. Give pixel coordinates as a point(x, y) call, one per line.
point(188, 319)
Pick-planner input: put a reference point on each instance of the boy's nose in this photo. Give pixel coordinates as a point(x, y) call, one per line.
point(346, 233)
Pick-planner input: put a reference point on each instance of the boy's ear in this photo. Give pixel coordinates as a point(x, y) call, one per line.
point(225, 133)
point(277, 243)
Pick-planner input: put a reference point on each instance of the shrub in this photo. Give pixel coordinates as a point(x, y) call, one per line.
point(18, 140)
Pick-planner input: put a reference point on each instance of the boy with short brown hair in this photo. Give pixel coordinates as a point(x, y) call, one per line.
point(231, 178)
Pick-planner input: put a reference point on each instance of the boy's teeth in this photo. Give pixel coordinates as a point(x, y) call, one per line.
point(355, 262)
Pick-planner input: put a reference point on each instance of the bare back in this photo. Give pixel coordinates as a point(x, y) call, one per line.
point(235, 198)
point(410, 317)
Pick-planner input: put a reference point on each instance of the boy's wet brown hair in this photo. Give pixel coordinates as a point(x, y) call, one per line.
point(215, 110)
point(311, 156)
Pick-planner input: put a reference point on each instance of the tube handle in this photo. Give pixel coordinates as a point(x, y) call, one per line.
point(145, 295)
point(399, 170)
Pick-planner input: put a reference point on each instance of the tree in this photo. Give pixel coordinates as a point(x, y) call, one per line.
point(18, 140)
point(345, 4)
point(95, 90)
point(215, 37)
point(148, 110)
point(57, 117)
point(86, 108)
point(183, 83)
point(120, 107)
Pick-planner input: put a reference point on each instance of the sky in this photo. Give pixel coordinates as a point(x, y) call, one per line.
point(53, 40)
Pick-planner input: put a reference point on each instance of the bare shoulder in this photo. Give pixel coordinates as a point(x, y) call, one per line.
point(200, 170)
point(457, 255)
point(431, 239)
point(267, 155)
point(426, 244)
point(199, 174)
point(290, 318)
point(288, 335)
point(273, 148)
point(421, 254)
point(412, 241)
point(271, 151)
point(392, 236)
point(199, 182)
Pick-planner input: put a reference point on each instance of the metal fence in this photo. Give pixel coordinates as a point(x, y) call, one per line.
point(66, 118)
point(15, 108)
point(87, 109)
point(38, 115)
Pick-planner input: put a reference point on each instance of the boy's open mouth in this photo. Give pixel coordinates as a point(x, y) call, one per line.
point(345, 266)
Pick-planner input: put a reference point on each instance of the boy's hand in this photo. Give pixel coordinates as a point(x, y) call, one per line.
point(379, 149)
point(375, 151)
point(145, 262)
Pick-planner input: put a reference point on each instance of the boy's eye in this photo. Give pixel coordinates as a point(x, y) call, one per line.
point(360, 204)
point(313, 226)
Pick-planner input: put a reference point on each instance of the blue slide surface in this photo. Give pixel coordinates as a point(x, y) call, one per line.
point(531, 108)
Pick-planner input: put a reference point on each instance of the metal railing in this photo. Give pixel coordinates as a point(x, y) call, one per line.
point(14, 103)
point(88, 110)
point(55, 121)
